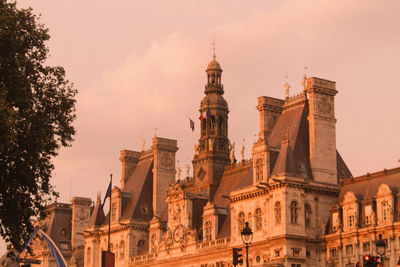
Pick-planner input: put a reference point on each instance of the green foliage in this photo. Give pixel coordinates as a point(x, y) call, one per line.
point(37, 108)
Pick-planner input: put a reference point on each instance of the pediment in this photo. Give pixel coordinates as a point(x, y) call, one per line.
point(349, 197)
point(384, 189)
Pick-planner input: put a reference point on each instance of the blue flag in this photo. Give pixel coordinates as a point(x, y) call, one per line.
point(208, 113)
point(56, 252)
point(108, 194)
point(191, 124)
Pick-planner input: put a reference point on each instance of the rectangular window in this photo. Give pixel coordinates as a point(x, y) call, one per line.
point(351, 220)
point(277, 253)
point(368, 213)
point(366, 247)
point(296, 252)
point(335, 221)
point(349, 250)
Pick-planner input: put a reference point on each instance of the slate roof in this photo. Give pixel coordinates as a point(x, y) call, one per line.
point(366, 186)
point(97, 218)
point(60, 218)
point(140, 185)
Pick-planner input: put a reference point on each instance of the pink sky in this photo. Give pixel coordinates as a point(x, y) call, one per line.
point(140, 65)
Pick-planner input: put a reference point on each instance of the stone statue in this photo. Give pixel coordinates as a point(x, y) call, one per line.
point(187, 170)
point(242, 150)
point(232, 152)
point(373, 217)
point(178, 173)
point(287, 87)
point(196, 149)
point(210, 144)
point(323, 228)
point(142, 142)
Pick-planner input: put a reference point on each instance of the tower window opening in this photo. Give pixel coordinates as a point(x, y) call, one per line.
point(213, 79)
point(204, 124)
point(220, 125)
point(212, 123)
point(208, 79)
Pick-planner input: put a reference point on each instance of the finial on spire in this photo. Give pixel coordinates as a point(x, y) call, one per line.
point(213, 45)
point(287, 86)
point(304, 82)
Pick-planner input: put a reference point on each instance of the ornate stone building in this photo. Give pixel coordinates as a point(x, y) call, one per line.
point(296, 192)
point(285, 191)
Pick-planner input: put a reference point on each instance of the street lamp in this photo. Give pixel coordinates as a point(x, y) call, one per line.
point(380, 247)
point(247, 236)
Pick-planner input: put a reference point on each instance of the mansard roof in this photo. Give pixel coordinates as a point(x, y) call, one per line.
point(58, 224)
point(293, 154)
point(292, 125)
point(366, 186)
point(140, 185)
point(97, 217)
point(233, 178)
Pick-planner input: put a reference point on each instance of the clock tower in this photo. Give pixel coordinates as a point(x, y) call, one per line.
point(212, 153)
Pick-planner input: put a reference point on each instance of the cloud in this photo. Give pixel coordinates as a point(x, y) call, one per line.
point(159, 88)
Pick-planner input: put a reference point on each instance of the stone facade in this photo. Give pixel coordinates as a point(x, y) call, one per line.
point(300, 199)
point(285, 191)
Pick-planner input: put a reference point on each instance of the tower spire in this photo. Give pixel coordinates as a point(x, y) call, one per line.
point(213, 45)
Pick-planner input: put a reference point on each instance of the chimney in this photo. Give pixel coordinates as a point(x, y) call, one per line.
point(270, 110)
point(164, 151)
point(80, 219)
point(322, 129)
point(129, 160)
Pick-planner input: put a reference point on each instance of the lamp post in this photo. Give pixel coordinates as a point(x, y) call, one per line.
point(247, 237)
point(381, 247)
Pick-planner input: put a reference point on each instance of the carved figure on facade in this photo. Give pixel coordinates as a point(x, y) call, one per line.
point(232, 152)
point(210, 144)
point(187, 167)
point(142, 144)
point(196, 149)
point(373, 217)
point(178, 173)
point(242, 150)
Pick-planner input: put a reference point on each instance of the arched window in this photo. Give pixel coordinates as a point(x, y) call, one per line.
point(258, 219)
point(88, 256)
point(213, 79)
point(208, 231)
point(122, 250)
point(241, 221)
point(220, 125)
point(259, 170)
point(307, 214)
point(211, 123)
point(278, 213)
point(293, 212)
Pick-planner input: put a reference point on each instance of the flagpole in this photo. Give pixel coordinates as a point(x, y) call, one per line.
point(109, 217)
